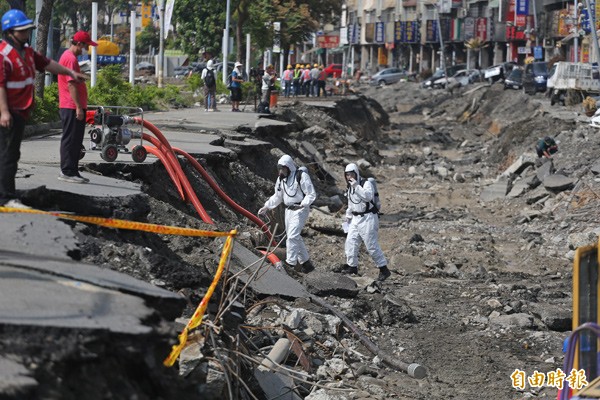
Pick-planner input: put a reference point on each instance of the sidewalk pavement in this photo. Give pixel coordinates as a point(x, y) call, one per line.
point(191, 130)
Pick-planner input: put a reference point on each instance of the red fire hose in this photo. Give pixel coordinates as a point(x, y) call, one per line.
point(156, 152)
point(166, 149)
point(223, 195)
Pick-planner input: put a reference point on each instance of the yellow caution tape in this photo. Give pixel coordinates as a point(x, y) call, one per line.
point(124, 224)
point(196, 319)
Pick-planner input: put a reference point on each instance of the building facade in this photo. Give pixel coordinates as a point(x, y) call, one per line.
point(480, 33)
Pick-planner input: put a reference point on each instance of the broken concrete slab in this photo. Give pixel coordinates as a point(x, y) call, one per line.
point(519, 187)
point(86, 280)
point(495, 191)
point(558, 182)
point(524, 161)
point(268, 281)
point(328, 284)
point(545, 169)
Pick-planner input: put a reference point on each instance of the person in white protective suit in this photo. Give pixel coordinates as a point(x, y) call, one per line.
point(362, 222)
point(295, 189)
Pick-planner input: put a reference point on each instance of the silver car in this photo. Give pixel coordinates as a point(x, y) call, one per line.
point(388, 76)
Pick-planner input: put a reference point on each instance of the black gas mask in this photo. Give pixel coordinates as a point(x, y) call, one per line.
point(284, 171)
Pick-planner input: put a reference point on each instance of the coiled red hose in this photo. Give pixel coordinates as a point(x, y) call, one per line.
point(214, 186)
point(168, 152)
point(165, 161)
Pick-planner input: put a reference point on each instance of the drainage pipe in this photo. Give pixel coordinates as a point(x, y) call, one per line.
point(413, 370)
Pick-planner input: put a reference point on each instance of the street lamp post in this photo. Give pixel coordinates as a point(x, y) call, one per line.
point(439, 32)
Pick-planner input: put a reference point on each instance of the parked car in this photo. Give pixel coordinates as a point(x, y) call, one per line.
point(462, 77)
point(499, 72)
point(453, 69)
point(182, 71)
point(514, 80)
point(333, 69)
point(387, 76)
point(535, 77)
point(145, 67)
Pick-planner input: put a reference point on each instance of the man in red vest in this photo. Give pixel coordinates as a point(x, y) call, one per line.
point(18, 63)
point(72, 103)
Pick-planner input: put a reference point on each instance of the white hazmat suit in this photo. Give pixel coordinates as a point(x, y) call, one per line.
point(297, 197)
point(363, 223)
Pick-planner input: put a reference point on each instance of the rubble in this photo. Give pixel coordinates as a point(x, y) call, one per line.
point(478, 233)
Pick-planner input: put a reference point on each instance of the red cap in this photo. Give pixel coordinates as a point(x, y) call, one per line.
point(84, 37)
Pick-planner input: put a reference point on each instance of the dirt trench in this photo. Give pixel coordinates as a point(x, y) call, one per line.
point(461, 268)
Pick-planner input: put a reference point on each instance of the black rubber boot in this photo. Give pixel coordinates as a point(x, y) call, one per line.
point(384, 273)
point(307, 267)
point(348, 270)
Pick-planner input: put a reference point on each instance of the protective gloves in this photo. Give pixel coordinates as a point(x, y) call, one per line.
point(353, 182)
point(263, 211)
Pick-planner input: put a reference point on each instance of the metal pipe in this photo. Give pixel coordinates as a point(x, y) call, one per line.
point(413, 370)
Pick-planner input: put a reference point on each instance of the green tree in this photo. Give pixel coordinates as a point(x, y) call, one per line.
point(298, 18)
point(199, 25)
point(149, 37)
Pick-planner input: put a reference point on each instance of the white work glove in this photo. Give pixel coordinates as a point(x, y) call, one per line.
point(346, 225)
point(353, 182)
point(263, 211)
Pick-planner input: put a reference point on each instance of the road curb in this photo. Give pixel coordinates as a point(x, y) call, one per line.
point(40, 129)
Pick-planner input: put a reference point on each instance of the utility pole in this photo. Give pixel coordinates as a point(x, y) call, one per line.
point(94, 52)
point(132, 48)
point(226, 43)
point(161, 42)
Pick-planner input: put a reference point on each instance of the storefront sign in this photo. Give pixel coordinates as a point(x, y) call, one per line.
point(328, 41)
point(482, 29)
point(379, 32)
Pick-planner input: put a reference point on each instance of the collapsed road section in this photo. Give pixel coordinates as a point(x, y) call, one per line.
point(90, 309)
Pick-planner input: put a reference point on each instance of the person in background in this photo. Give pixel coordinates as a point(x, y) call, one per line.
point(314, 80)
point(236, 86)
point(362, 223)
point(210, 87)
point(306, 80)
point(546, 147)
point(72, 103)
point(268, 80)
point(295, 190)
point(18, 63)
point(288, 76)
point(297, 78)
point(322, 81)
